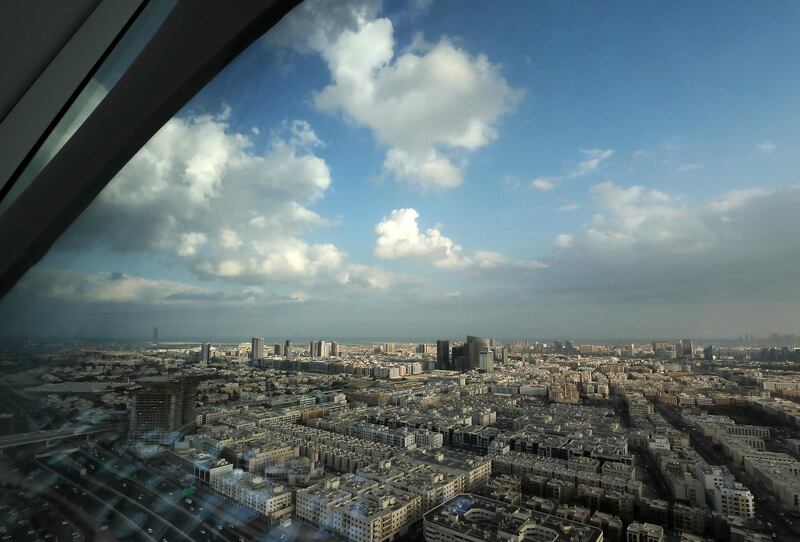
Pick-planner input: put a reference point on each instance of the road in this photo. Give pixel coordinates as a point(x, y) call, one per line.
point(785, 527)
point(223, 519)
point(36, 437)
point(141, 520)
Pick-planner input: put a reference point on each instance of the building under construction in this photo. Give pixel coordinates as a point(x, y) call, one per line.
point(164, 406)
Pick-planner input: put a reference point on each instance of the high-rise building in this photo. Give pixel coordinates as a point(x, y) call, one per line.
point(474, 346)
point(320, 349)
point(205, 353)
point(709, 353)
point(164, 405)
point(389, 348)
point(688, 348)
point(501, 354)
point(443, 355)
point(256, 348)
point(421, 348)
point(335, 350)
point(660, 349)
point(460, 358)
point(486, 360)
point(278, 350)
point(287, 348)
point(155, 336)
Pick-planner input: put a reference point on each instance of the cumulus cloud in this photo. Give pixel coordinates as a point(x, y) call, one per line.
point(424, 103)
point(201, 194)
point(400, 238)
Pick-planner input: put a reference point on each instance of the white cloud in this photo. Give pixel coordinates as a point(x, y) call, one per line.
point(198, 193)
point(543, 183)
point(428, 170)
point(641, 221)
point(690, 167)
point(646, 247)
point(767, 147)
point(228, 240)
point(562, 240)
point(400, 238)
point(423, 103)
point(593, 159)
point(567, 207)
point(190, 242)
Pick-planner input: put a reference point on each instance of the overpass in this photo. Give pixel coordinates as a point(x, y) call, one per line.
point(48, 437)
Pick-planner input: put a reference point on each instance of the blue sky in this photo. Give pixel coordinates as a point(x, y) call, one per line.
point(548, 169)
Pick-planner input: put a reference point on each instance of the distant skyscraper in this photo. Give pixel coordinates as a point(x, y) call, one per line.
point(501, 354)
point(335, 350)
point(320, 349)
point(278, 350)
point(256, 348)
point(460, 358)
point(420, 349)
point(486, 360)
point(205, 353)
point(287, 348)
point(474, 346)
point(389, 348)
point(155, 336)
point(443, 355)
point(688, 348)
point(708, 353)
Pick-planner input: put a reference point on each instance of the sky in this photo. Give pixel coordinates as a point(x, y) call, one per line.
point(415, 170)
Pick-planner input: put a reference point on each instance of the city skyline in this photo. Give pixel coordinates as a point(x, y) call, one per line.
point(544, 177)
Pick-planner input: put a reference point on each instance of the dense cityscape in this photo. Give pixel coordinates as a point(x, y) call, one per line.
point(454, 440)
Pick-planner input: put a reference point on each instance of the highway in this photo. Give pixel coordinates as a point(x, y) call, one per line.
point(153, 495)
point(37, 437)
